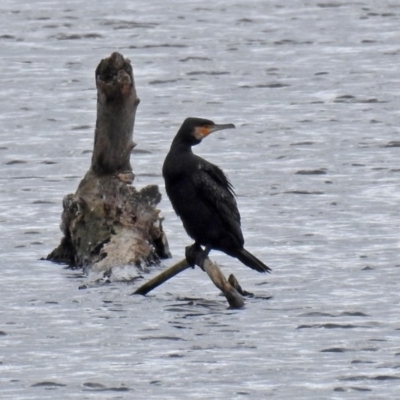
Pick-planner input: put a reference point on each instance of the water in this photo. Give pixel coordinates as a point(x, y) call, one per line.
point(313, 90)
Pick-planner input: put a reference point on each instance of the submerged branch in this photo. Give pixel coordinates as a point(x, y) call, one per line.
point(197, 256)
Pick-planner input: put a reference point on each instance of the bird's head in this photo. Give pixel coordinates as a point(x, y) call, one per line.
point(194, 130)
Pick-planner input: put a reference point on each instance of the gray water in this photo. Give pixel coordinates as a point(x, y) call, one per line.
point(313, 88)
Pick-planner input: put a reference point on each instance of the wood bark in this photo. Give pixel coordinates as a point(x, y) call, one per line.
point(107, 222)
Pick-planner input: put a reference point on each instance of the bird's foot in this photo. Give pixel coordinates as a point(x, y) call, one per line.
point(195, 255)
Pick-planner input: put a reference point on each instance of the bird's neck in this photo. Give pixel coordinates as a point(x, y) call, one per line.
point(181, 146)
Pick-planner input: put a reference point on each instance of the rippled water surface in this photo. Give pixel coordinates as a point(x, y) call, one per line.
point(313, 88)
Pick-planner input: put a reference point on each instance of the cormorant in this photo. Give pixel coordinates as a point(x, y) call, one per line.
point(202, 195)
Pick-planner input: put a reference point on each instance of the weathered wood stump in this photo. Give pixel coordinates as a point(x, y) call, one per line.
point(107, 222)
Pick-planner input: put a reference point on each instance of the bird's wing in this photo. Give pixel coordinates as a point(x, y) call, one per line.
point(214, 188)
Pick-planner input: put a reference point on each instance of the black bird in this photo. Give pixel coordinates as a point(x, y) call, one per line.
point(202, 195)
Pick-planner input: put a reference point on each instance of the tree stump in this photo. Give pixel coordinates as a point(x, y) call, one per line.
point(107, 222)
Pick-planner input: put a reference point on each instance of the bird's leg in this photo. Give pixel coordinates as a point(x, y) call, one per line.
point(195, 255)
point(201, 256)
point(192, 253)
point(204, 255)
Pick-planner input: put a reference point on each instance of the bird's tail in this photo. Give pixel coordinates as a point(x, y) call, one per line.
point(250, 261)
